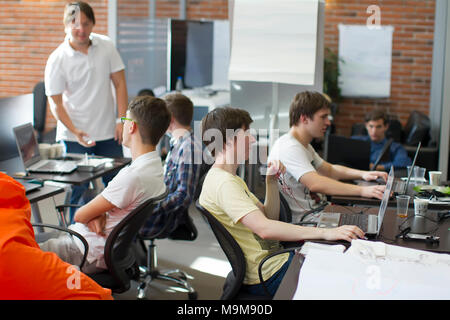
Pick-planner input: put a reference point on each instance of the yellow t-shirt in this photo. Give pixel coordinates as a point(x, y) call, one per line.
point(227, 197)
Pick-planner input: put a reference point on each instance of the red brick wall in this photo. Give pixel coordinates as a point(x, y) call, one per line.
point(412, 51)
point(31, 29)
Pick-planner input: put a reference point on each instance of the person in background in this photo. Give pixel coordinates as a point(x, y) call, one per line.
point(146, 92)
point(309, 178)
point(377, 125)
point(181, 171)
point(78, 77)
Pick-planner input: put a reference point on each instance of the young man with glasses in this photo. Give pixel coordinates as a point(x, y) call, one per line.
point(78, 78)
point(147, 119)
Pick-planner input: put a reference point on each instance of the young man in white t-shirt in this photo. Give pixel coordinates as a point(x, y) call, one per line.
point(147, 120)
point(253, 225)
point(308, 177)
point(79, 77)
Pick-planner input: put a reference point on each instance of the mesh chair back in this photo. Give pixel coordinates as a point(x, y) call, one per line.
point(285, 210)
point(119, 252)
point(233, 252)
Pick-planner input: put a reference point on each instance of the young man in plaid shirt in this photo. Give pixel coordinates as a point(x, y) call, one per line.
point(182, 168)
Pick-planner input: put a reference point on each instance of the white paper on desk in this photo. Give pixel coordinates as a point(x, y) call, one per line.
point(380, 250)
point(334, 276)
point(274, 41)
point(320, 246)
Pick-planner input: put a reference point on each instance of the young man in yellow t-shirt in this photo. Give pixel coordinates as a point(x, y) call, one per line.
point(253, 225)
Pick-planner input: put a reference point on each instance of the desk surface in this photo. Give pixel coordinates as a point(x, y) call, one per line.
point(354, 200)
point(80, 177)
point(43, 193)
point(389, 230)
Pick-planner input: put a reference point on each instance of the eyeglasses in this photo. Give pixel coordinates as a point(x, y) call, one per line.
point(125, 118)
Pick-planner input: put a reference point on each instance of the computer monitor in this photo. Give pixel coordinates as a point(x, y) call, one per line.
point(14, 111)
point(190, 53)
point(346, 151)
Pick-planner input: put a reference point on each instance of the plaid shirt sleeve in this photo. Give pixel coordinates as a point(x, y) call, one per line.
point(181, 177)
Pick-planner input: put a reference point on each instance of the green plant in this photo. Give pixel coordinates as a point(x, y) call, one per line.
point(331, 75)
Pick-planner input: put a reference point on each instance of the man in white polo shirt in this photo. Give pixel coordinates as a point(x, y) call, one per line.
point(78, 78)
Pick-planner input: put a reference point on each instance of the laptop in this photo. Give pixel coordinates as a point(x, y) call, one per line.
point(370, 224)
point(400, 186)
point(346, 151)
point(29, 186)
point(29, 153)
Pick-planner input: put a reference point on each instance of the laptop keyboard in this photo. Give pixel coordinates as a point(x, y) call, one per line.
point(360, 220)
point(54, 166)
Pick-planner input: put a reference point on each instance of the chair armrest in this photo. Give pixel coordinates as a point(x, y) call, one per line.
point(63, 206)
point(73, 233)
point(261, 280)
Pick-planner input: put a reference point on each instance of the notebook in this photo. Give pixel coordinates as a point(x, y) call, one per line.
point(370, 224)
point(29, 153)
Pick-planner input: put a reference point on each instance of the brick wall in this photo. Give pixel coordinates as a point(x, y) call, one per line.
point(31, 29)
point(412, 51)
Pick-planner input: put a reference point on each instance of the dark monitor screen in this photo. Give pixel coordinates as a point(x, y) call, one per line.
point(190, 53)
point(347, 152)
point(14, 111)
point(27, 144)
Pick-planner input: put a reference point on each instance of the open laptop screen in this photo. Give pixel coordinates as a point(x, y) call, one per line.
point(348, 152)
point(385, 200)
point(27, 144)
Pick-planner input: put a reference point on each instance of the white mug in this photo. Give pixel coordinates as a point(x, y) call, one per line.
point(44, 150)
point(420, 207)
point(435, 177)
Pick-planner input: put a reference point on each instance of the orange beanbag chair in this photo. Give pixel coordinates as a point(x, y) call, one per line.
point(27, 272)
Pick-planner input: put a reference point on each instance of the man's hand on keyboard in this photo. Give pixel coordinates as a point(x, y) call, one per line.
point(374, 175)
point(373, 191)
point(347, 233)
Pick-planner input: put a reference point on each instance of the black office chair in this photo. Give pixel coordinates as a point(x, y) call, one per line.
point(285, 210)
point(44, 236)
point(235, 255)
point(185, 231)
point(120, 251)
point(150, 271)
point(40, 114)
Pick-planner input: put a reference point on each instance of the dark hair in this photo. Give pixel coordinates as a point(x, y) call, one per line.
point(223, 119)
point(69, 11)
point(152, 118)
point(377, 114)
point(306, 103)
point(146, 92)
point(181, 107)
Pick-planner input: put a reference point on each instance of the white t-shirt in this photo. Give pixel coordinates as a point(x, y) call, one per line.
point(298, 160)
point(85, 84)
point(133, 185)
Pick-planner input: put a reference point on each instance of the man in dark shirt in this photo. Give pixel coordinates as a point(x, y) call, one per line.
point(377, 125)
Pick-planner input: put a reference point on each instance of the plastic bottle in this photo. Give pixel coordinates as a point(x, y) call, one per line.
point(179, 84)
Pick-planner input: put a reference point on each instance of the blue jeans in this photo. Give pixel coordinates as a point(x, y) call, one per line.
point(107, 148)
point(272, 283)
